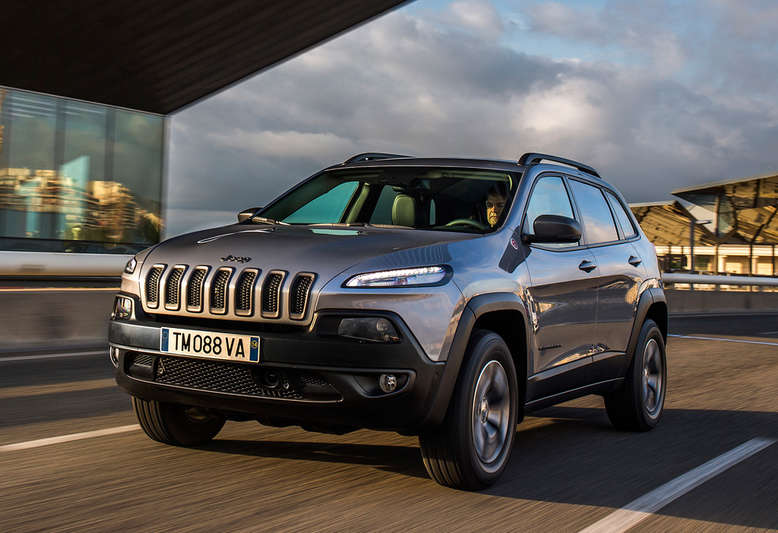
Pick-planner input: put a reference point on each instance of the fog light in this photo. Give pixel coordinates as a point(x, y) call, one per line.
point(375, 329)
point(387, 382)
point(122, 308)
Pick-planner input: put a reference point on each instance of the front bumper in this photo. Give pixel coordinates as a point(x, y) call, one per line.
point(332, 382)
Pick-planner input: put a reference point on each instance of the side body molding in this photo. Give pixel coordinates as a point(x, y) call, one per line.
point(475, 308)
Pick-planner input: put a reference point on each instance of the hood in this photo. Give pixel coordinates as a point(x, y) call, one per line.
point(325, 250)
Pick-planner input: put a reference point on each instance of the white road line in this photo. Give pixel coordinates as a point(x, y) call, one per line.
point(769, 333)
point(50, 356)
point(722, 340)
point(640, 509)
point(67, 438)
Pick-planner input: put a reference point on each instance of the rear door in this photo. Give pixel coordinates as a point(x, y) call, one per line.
point(618, 275)
point(562, 297)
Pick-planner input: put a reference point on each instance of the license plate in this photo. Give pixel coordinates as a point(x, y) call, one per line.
point(209, 344)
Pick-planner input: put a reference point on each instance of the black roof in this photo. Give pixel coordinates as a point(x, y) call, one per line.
point(160, 55)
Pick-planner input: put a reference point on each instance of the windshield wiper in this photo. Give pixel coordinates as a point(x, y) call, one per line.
point(266, 220)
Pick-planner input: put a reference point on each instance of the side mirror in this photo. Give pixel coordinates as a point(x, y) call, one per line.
point(555, 229)
point(248, 213)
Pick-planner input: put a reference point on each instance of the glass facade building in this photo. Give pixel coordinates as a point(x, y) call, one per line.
point(77, 176)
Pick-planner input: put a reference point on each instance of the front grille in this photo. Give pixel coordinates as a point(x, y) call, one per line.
point(152, 285)
point(173, 287)
point(232, 378)
point(194, 292)
point(271, 294)
point(220, 377)
point(298, 295)
point(219, 290)
point(244, 292)
point(186, 290)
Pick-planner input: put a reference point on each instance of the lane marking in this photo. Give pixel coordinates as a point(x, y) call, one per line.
point(769, 332)
point(28, 391)
point(51, 356)
point(642, 508)
point(67, 438)
point(721, 339)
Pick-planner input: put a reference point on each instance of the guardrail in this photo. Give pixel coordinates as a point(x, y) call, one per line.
point(718, 280)
point(37, 265)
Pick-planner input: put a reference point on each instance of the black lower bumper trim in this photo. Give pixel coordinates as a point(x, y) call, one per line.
point(290, 385)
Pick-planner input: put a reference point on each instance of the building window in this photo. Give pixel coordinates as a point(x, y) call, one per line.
point(76, 176)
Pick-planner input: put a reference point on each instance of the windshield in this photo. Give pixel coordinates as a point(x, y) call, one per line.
point(427, 198)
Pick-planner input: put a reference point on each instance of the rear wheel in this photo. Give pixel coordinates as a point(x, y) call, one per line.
point(472, 447)
point(175, 424)
point(638, 406)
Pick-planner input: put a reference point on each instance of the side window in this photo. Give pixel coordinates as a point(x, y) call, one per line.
point(327, 208)
point(549, 197)
point(624, 221)
point(597, 219)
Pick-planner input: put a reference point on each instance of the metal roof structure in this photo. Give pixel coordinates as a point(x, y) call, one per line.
point(161, 55)
point(744, 210)
point(667, 223)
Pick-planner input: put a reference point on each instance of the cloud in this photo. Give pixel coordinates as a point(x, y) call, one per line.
point(283, 144)
point(688, 108)
point(477, 16)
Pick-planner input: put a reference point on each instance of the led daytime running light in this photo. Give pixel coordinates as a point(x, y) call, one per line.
point(402, 277)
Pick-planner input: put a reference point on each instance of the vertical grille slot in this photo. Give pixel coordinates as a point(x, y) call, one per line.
point(298, 295)
point(244, 292)
point(173, 287)
point(219, 290)
point(152, 285)
point(271, 294)
point(194, 291)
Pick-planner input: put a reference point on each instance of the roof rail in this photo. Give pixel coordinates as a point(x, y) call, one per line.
point(533, 159)
point(371, 156)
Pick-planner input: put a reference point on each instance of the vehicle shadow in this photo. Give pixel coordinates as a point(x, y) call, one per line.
point(572, 455)
point(405, 460)
point(575, 456)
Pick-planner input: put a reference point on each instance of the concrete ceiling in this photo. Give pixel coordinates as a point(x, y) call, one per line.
point(160, 55)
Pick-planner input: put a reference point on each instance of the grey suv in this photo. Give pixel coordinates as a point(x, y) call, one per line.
point(443, 298)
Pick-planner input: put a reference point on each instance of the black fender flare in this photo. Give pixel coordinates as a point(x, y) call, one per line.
point(474, 309)
point(648, 297)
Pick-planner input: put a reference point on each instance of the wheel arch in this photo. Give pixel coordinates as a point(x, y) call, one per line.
point(653, 305)
point(499, 312)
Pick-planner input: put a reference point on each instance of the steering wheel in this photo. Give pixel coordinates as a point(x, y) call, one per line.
point(467, 222)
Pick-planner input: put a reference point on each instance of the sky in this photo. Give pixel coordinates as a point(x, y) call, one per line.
point(657, 95)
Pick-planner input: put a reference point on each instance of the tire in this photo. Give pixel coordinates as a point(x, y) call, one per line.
point(639, 404)
point(174, 424)
point(450, 452)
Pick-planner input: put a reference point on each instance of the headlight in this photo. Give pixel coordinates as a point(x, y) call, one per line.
point(131, 264)
point(403, 277)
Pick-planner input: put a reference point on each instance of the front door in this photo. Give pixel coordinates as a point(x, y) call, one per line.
point(562, 297)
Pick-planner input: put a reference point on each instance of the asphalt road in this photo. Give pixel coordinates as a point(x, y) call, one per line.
point(569, 467)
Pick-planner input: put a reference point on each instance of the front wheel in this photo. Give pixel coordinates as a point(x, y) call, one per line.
point(472, 447)
point(638, 405)
point(175, 424)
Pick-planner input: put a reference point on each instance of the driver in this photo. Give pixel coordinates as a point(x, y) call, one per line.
point(495, 204)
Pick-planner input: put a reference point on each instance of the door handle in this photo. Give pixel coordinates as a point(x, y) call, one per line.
point(587, 266)
point(634, 261)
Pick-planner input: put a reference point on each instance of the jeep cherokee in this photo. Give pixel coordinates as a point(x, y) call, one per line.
point(443, 298)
